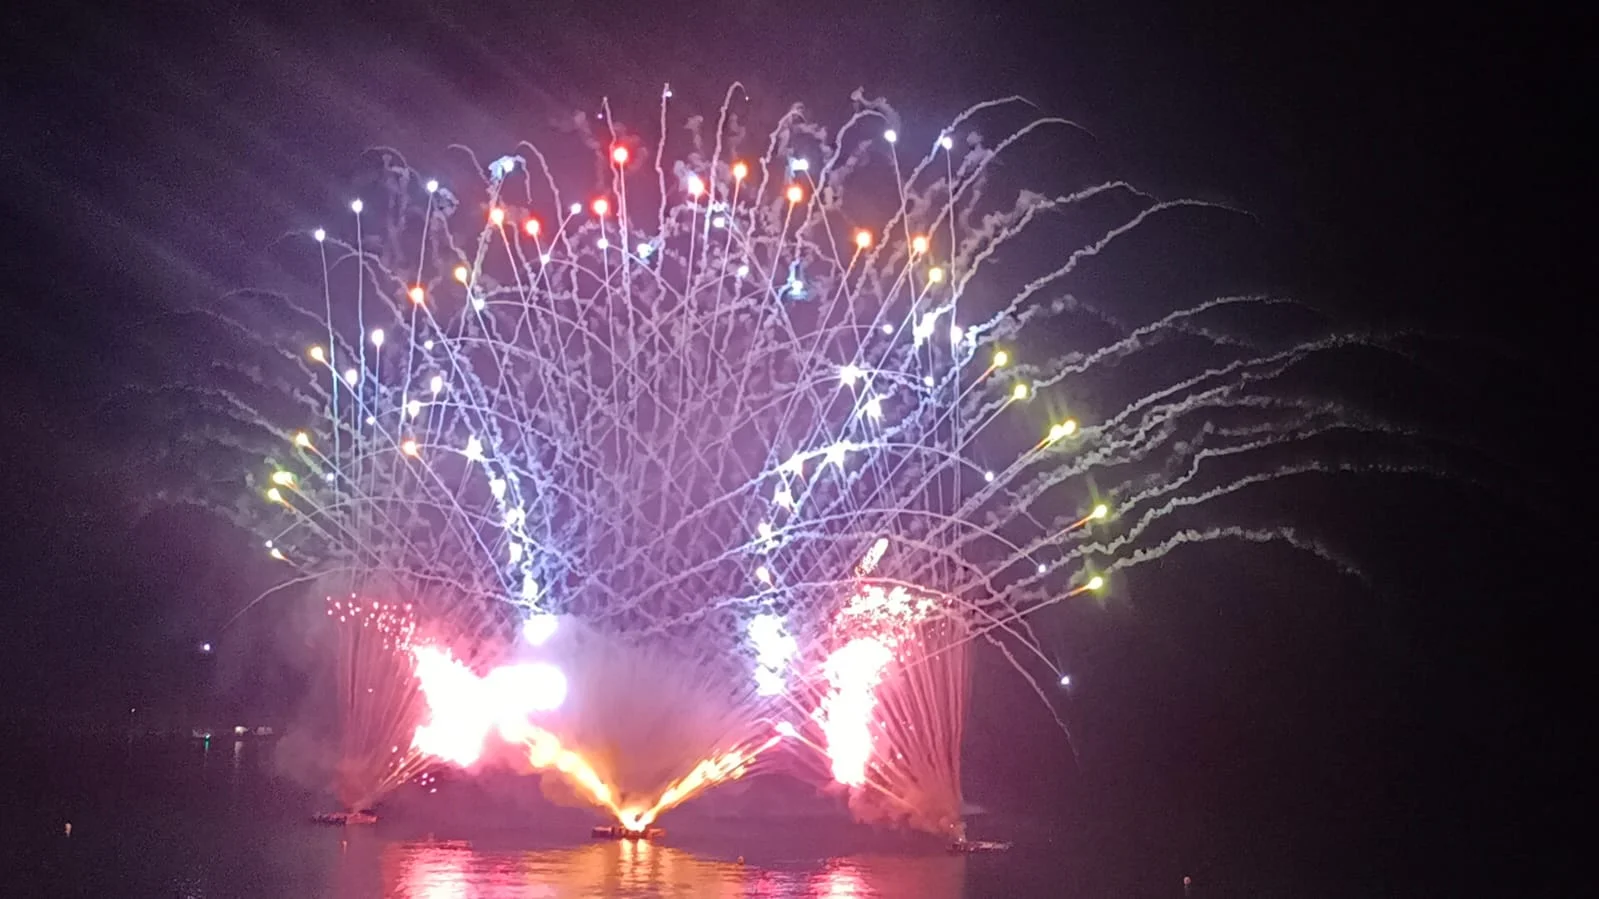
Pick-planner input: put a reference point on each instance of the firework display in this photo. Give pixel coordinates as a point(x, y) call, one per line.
point(891, 705)
point(378, 696)
point(745, 439)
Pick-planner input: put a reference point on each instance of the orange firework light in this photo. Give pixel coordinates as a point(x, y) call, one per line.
point(466, 709)
point(544, 751)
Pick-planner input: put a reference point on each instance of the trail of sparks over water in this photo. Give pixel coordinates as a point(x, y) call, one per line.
point(379, 703)
point(703, 398)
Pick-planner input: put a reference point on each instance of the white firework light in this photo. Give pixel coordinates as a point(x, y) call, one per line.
point(722, 397)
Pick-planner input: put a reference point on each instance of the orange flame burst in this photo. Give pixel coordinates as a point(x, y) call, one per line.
point(544, 751)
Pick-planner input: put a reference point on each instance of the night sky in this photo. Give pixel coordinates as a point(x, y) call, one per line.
point(1405, 166)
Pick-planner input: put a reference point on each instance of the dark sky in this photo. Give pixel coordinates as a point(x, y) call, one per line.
point(1405, 163)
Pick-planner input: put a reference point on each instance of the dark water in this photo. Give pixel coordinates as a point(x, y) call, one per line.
point(177, 819)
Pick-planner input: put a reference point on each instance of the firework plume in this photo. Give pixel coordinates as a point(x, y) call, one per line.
point(725, 389)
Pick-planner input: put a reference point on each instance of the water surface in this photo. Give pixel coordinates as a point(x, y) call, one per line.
point(183, 820)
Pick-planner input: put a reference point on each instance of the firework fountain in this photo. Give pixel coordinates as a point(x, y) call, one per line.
point(890, 705)
point(781, 424)
point(379, 702)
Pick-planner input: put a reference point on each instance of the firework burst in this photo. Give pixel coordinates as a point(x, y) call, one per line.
point(699, 398)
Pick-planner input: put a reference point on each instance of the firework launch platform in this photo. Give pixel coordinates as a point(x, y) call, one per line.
point(618, 832)
point(978, 846)
point(342, 819)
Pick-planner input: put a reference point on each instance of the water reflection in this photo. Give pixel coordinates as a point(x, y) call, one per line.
point(840, 883)
point(455, 870)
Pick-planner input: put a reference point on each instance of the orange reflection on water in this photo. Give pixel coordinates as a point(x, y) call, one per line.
point(888, 876)
point(623, 868)
point(427, 871)
point(841, 883)
point(635, 869)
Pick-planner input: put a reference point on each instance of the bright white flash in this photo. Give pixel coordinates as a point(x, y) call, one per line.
point(773, 649)
point(773, 646)
point(518, 691)
point(768, 682)
point(539, 628)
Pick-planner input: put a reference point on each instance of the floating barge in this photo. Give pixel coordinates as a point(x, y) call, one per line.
point(343, 819)
point(978, 846)
point(618, 832)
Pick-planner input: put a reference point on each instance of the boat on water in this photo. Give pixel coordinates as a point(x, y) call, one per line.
point(979, 846)
point(618, 832)
point(342, 819)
